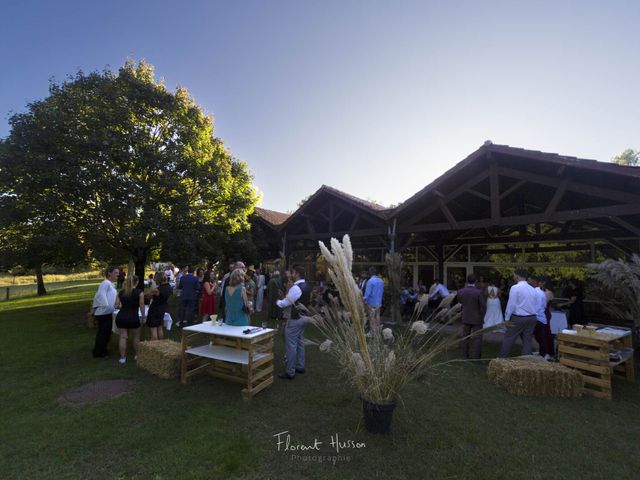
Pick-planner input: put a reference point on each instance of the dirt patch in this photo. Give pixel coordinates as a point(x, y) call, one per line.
point(96, 392)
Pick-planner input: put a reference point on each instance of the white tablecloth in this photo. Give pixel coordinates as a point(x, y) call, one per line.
point(168, 321)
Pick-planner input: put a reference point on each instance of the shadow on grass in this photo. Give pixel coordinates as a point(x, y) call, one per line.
point(450, 424)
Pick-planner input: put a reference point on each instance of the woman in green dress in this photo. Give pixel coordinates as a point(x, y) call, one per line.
point(236, 301)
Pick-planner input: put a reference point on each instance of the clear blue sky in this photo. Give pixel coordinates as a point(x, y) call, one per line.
point(374, 98)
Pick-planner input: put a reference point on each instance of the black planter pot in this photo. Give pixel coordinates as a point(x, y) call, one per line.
point(377, 417)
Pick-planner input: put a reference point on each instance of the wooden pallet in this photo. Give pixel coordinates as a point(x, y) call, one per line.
point(590, 355)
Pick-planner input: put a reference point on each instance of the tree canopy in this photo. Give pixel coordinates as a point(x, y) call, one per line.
point(129, 165)
point(628, 157)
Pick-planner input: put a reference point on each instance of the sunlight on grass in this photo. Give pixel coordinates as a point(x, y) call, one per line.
point(78, 293)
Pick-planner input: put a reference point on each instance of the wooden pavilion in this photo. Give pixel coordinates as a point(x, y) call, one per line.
point(500, 206)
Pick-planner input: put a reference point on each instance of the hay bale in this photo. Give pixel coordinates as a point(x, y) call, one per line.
point(533, 376)
point(160, 357)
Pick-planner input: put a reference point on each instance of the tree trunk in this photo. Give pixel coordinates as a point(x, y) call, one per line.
point(40, 281)
point(395, 310)
point(140, 263)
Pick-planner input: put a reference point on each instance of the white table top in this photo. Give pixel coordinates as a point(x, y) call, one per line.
point(226, 330)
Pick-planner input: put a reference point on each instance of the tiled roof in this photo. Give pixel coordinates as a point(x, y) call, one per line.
point(489, 146)
point(364, 203)
point(564, 159)
point(271, 216)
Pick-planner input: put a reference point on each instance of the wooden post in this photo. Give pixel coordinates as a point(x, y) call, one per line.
point(7, 296)
point(440, 258)
point(392, 237)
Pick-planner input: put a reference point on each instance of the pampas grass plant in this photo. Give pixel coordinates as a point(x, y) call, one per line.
point(376, 366)
point(620, 287)
point(619, 293)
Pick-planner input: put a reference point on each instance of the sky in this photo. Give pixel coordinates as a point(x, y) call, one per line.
point(374, 98)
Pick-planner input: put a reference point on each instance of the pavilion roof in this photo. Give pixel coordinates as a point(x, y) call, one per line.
point(592, 167)
point(271, 216)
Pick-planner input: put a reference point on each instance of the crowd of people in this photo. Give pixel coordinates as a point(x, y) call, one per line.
point(130, 303)
point(199, 294)
point(521, 310)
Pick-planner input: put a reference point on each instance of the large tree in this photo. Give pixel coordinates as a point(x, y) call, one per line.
point(128, 164)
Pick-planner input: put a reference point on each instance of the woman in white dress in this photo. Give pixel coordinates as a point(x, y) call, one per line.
point(260, 292)
point(494, 310)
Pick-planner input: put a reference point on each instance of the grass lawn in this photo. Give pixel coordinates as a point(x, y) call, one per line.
point(453, 426)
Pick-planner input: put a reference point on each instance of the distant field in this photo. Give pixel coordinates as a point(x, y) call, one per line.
point(7, 280)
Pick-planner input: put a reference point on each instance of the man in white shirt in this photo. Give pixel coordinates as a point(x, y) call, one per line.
point(520, 315)
point(170, 278)
point(104, 303)
point(299, 293)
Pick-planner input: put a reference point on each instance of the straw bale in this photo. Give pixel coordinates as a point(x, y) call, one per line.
point(533, 376)
point(160, 357)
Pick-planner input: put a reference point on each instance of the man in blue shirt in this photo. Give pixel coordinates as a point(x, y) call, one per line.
point(189, 288)
point(407, 302)
point(373, 298)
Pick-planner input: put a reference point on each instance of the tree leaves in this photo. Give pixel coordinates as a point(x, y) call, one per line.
point(125, 163)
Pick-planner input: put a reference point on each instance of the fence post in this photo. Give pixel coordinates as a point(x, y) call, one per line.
point(7, 297)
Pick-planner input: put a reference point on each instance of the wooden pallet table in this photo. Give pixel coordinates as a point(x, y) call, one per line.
point(225, 352)
point(589, 353)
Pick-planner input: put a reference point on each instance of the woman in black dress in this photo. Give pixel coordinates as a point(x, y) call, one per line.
point(130, 301)
point(575, 294)
point(158, 308)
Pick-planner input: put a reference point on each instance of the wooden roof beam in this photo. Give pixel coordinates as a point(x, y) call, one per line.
point(448, 215)
point(555, 201)
point(623, 248)
point(512, 189)
point(494, 187)
point(479, 195)
point(626, 225)
point(572, 186)
point(354, 222)
point(447, 197)
point(311, 230)
point(354, 233)
point(583, 214)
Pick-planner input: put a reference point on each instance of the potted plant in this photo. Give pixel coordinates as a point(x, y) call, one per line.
point(379, 365)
